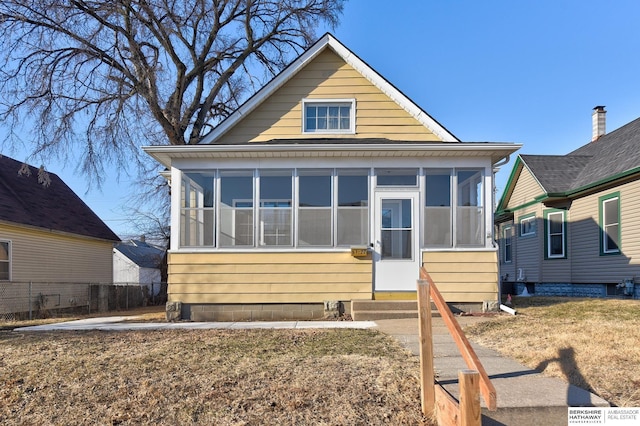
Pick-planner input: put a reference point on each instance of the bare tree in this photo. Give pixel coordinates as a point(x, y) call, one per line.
point(106, 76)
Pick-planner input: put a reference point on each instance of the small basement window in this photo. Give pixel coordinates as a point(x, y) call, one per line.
point(328, 116)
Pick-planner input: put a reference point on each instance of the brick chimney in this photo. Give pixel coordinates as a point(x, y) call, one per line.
point(599, 121)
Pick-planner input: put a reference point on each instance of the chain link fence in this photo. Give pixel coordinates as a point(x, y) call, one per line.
point(28, 300)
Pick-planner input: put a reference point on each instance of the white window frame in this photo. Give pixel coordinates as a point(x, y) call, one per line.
point(563, 234)
point(507, 233)
point(532, 226)
point(8, 261)
point(606, 224)
point(329, 102)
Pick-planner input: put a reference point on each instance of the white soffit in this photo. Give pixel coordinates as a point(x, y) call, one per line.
point(351, 59)
point(496, 151)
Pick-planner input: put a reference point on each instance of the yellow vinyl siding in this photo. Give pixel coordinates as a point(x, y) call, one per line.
point(470, 277)
point(268, 277)
point(526, 189)
point(43, 256)
point(328, 77)
point(587, 265)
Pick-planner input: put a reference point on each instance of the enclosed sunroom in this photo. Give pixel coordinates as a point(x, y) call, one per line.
point(304, 196)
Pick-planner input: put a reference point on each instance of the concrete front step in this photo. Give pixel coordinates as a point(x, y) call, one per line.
point(371, 310)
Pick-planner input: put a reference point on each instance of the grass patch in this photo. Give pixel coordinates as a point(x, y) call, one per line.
point(144, 314)
point(221, 377)
point(591, 343)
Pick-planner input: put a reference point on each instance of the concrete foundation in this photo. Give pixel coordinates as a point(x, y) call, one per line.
point(260, 312)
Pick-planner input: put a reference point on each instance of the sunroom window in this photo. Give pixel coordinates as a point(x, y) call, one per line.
point(328, 116)
point(469, 209)
point(315, 216)
point(437, 211)
point(275, 217)
point(397, 177)
point(236, 208)
point(197, 221)
point(353, 207)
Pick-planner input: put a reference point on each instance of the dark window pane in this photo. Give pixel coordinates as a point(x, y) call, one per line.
point(353, 191)
point(236, 188)
point(438, 188)
point(396, 244)
point(315, 191)
point(611, 211)
point(391, 177)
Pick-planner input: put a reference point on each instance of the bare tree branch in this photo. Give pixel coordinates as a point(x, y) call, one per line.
point(105, 76)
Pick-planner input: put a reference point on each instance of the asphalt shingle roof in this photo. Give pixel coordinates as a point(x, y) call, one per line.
point(23, 200)
point(141, 253)
point(612, 154)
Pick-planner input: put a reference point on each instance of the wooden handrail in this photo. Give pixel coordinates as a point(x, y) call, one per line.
point(487, 389)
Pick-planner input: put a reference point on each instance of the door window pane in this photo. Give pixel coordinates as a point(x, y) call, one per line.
point(314, 210)
point(353, 208)
point(276, 208)
point(396, 229)
point(236, 208)
point(437, 214)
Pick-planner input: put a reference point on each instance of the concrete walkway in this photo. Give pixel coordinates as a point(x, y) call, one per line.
point(525, 397)
point(124, 323)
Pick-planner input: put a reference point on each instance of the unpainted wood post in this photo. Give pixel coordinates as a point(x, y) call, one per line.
point(470, 412)
point(427, 378)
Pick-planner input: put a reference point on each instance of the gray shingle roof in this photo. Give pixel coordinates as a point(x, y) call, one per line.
point(612, 154)
point(141, 253)
point(25, 201)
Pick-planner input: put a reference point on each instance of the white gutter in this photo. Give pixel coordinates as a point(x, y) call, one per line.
point(164, 153)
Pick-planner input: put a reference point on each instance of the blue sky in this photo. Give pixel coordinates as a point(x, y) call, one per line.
point(527, 71)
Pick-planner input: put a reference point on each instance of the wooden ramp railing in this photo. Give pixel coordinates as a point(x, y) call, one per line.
point(472, 382)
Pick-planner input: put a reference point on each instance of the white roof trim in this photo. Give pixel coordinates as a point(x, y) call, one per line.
point(351, 59)
point(164, 154)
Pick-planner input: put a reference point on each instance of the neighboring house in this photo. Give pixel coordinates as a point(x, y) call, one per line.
point(135, 262)
point(49, 235)
point(329, 184)
point(568, 224)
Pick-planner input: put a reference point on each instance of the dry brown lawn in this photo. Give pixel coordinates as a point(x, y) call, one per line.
point(208, 377)
point(292, 377)
point(591, 343)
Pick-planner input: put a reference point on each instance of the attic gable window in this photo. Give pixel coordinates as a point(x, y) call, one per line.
point(328, 115)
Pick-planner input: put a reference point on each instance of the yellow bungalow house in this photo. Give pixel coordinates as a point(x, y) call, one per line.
point(329, 184)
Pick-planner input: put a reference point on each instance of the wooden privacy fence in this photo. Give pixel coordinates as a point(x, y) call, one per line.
point(473, 382)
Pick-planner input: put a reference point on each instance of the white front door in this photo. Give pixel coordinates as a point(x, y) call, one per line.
point(396, 253)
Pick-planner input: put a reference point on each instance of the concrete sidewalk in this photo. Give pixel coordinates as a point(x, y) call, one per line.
point(525, 397)
point(124, 323)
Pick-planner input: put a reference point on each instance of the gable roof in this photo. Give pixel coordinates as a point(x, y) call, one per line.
point(328, 41)
point(610, 157)
point(556, 173)
point(142, 254)
point(24, 201)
